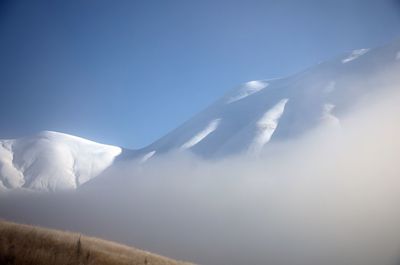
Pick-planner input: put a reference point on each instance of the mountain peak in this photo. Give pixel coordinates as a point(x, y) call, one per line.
point(52, 161)
point(245, 120)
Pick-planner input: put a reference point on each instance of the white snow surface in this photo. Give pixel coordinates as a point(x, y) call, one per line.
point(52, 161)
point(267, 125)
point(354, 55)
point(147, 156)
point(212, 126)
point(247, 89)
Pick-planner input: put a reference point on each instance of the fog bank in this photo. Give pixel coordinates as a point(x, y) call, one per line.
point(330, 197)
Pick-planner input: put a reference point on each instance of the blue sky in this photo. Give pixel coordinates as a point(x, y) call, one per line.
point(127, 72)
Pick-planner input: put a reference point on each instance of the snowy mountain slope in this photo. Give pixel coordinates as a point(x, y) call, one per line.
point(244, 120)
point(257, 112)
point(52, 161)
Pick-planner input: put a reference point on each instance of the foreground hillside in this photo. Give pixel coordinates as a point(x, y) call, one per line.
point(24, 244)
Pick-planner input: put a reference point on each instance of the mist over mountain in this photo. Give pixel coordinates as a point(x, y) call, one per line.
point(263, 111)
point(299, 170)
point(244, 121)
point(328, 197)
point(209, 132)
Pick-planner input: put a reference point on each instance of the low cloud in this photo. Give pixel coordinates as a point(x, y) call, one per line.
point(330, 197)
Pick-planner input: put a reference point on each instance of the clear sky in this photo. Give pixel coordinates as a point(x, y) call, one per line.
point(127, 72)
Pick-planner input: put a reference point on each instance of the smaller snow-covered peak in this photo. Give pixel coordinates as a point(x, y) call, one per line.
point(354, 55)
point(52, 161)
point(58, 136)
point(246, 90)
point(212, 126)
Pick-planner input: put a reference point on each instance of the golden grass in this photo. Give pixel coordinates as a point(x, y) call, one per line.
point(30, 245)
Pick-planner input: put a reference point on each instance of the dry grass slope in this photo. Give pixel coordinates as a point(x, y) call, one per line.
point(29, 245)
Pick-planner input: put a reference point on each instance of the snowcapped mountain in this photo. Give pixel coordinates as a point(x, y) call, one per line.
point(258, 112)
point(244, 120)
point(52, 161)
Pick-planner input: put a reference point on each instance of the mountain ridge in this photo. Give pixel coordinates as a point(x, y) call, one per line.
point(244, 120)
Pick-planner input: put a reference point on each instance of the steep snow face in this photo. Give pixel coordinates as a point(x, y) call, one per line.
point(147, 156)
point(10, 176)
point(52, 161)
point(354, 55)
point(246, 90)
point(266, 126)
point(212, 126)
